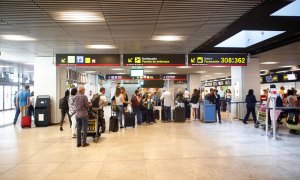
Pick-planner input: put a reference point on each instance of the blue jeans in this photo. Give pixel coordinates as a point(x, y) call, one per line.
point(138, 113)
point(17, 114)
point(82, 123)
point(167, 111)
point(120, 113)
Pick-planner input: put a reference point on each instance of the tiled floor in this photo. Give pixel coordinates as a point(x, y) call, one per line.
point(190, 150)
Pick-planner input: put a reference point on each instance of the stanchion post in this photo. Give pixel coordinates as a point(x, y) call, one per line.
point(274, 119)
point(267, 121)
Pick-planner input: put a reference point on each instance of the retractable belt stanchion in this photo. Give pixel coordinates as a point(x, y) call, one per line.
point(267, 122)
point(274, 119)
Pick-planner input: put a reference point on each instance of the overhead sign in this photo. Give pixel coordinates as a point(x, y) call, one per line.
point(178, 77)
point(217, 59)
point(88, 60)
point(154, 60)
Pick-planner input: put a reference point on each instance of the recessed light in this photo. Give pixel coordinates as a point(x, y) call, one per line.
point(100, 46)
point(167, 38)
point(117, 69)
point(246, 38)
point(278, 72)
point(291, 9)
point(183, 67)
point(263, 70)
point(201, 72)
point(120, 73)
point(269, 63)
point(218, 73)
point(4, 66)
point(90, 71)
point(29, 64)
point(17, 38)
point(79, 16)
point(285, 66)
point(172, 73)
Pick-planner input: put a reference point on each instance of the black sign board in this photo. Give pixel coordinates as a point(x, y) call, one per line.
point(178, 77)
point(88, 60)
point(217, 59)
point(154, 60)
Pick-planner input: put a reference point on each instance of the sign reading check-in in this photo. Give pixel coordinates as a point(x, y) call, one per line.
point(217, 59)
point(88, 60)
point(153, 59)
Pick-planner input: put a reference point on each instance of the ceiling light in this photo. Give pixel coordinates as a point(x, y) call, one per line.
point(201, 72)
point(117, 69)
point(291, 9)
point(167, 38)
point(263, 70)
point(218, 73)
point(172, 73)
point(295, 70)
point(17, 38)
point(183, 67)
point(151, 67)
point(285, 66)
point(269, 63)
point(90, 71)
point(80, 16)
point(120, 73)
point(278, 72)
point(246, 38)
point(207, 75)
point(4, 66)
point(100, 46)
point(29, 64)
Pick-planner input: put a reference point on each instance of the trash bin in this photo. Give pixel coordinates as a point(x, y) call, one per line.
point(42, 116)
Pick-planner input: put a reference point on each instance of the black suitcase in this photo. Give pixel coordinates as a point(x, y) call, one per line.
point(223, 106)
point(129, 119)
point(179, 114)
point(113, 124)
point(188, 111)
point(156, 114)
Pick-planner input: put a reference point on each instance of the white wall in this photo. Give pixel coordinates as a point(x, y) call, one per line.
point(45, 82)
point(194, 82)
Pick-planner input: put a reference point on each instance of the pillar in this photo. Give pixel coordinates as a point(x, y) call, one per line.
point(243, 79)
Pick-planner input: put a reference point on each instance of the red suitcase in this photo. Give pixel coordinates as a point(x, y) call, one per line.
point(26, 121)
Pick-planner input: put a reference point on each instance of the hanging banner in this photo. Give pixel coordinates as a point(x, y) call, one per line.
point(208, 59)
point(88, 60)
point(154, 60)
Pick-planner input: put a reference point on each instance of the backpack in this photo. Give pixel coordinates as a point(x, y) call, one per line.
point(134, 102)
point(279, 102)
point(292, 118)
point(63, 103)
point(95, 100)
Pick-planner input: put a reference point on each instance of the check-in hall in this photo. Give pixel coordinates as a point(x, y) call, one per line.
point(139, 89)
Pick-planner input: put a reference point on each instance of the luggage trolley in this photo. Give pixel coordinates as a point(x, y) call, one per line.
point(93, 124)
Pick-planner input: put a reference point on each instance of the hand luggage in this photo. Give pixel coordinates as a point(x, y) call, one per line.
point(129, 119)
point(179, 114)
point(223, 106)
point(156, 114)
point(26, 121)
point(113, 123)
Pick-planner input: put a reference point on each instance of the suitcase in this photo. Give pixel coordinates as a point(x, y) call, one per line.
point(179, 114)
point(113, 124)
point(156, 114)
point(223, 106)
point(26, 121)
point(188, 111)
point(129, 119)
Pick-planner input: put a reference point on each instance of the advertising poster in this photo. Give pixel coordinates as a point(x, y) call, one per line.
point(236, 88)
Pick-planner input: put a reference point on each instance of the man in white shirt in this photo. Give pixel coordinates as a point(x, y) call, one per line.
point(101, 101)
point(186, 94)
point(167, 98)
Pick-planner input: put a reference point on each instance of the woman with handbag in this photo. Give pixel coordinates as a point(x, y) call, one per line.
point(120, 101)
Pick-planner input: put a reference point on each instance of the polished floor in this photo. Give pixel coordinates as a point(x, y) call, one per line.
point(190, 150)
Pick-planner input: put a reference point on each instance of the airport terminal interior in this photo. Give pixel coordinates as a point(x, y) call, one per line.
point(154, 90)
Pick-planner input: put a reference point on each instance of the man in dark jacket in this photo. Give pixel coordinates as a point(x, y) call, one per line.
point(217, 102)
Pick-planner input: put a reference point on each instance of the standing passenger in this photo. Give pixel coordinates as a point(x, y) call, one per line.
point(218, 104)
point(250, 103)
point(195, 104)
point(135, 101)
point(64, 109)
point(81, 107)
point(228, 97)
point(120, 101)
point(166, 96)
point(72, 111)
point(16, 103)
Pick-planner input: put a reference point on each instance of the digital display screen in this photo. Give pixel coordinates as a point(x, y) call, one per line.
point(291, 77)
point(137, 72)
point(269, 79)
